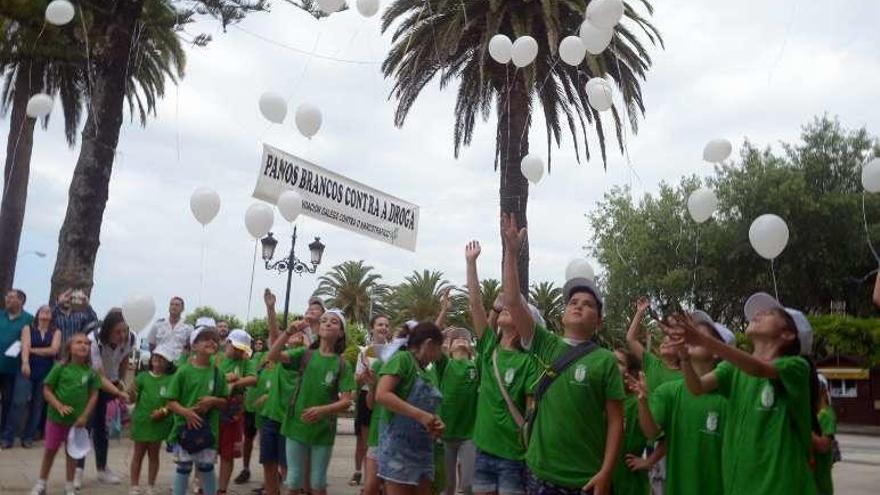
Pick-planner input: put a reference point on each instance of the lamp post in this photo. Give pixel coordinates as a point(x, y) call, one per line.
point(291, 263)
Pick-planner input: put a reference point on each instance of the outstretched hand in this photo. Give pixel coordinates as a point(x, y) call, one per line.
point(269, 298)
point(472, 251)
point(637, 384)
point(511, 234)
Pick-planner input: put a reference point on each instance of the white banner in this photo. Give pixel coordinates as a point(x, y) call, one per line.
point(338, 200)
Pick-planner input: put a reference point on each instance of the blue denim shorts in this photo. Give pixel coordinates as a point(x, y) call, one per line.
point(273, 449)
point(496, 474)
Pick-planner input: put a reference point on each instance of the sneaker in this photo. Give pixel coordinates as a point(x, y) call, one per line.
point(78, 479)
point(243, 477)
point(135, 490)
point(39, 489)
point(6, 445)
point(107, 477)
point(69, 489)
point(26, 444)
point(150, 491)
point(355, 479)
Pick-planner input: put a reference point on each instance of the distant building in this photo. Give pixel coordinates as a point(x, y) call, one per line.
point(855, 389)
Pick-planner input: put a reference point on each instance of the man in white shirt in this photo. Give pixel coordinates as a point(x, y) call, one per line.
point(172, 333)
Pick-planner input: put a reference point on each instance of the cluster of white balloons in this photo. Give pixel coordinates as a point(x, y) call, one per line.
point(532, 167)
point(768, 235)
point(308, 118)
point(579, 268)
point(598, 26)
point(205, 204)
point(59, 12)
point(717, 150)
point(138, 311)
point(521, 52)
point(701, 204)
point(871, 176)
point(39, 105)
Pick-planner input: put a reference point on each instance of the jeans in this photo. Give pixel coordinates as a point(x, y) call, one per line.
point(7, 389)
point(27, 390)
point(98, 429)
point(461, 454)
point(318, 455)
point(499, 475)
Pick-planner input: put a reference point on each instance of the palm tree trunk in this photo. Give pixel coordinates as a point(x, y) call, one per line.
point(79, 238)
point(513, 123)
point(19, 144)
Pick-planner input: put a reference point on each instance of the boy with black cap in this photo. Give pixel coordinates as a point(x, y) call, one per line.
point(577, 425)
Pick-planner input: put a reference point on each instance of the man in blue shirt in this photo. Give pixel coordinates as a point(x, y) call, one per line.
point(12, 320)
point(72, 314)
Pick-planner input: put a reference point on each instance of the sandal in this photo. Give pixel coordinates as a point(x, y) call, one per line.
point(355, 479)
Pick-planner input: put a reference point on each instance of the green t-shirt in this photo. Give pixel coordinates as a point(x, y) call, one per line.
point(767, 436)
point(824, 460)
point(373, 438)
point(71, 384)
point(657, 373)
point(624, 480)
point(263, 386)
point(320, 385)
point(496, 431)
point(459, 407)
point(251, 394)
point(241, 367)
point(281, 383)
point(693, 427)
point(573, 407)
point(151, 390)
point(190, 384)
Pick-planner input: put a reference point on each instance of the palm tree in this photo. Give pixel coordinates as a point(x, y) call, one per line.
point(451, 38)
point(490, 289)
point(548, 299)
point(418, 296)
point(352, 287)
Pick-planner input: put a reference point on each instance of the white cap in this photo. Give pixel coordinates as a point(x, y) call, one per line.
point(339, 314)
point(411, 324)
point(761, 301)
point(205, 321)
point(198, 331)
point(240, 340)
point(583, 283)
point(725, 333)
point(78, 442)
point(169, 353)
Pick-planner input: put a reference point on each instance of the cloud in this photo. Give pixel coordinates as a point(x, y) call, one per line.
point(750, 69)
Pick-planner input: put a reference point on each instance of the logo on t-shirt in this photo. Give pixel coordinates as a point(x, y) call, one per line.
point(268, 384)
point(580, 373)
point(328, 378)
point(211, 385)
point(712, 421)
point(472, 374)
point(508, 376)
point(162, 391)
point(768, 397)
point(84, 379)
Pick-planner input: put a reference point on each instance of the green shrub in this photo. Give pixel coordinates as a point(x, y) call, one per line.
point(846, 335)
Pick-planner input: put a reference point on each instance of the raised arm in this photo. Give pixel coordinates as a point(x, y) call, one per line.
point(271, 316)
point(440, 321)
point(512, 237)
point(276, 351)
point(475, 296)
point(682, 326)
point(633, 335)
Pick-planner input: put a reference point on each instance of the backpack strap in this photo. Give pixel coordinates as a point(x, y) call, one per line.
point(303, 363)
point(561, 364)
point(511, 407)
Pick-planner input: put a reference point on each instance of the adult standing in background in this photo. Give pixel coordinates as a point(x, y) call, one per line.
point(12, 320)
point(172, 333)
point(72, 313)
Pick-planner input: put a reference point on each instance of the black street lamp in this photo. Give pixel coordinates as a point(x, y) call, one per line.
point(291, 263)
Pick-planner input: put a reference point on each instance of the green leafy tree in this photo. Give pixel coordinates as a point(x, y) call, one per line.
point(548, 299)
point(449, 40)
point(653, 248)
point(231, 319)
point(353, 287)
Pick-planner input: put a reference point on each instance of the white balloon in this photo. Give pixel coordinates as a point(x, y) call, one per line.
point(204, 203)
point(768, 235)
point(579, 268)
point(259, 219)
point(308, 119)
point(605, 13)
point(290, 205)
point(572, 50)
point(39, 105)
point(532, 167)
point(595, 39)
point(702, 203)
point(59, 12)
point(500, 48)
point(273, 107)
point(717, 150)
point(138, 311)
point(524, 51)
point(599, 94)
point(368, 8)
point(330, 6)
point(871, 176)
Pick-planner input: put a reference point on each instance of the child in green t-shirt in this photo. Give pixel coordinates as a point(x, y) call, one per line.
point(151, 421)
point(239, 371)
point(325, 389)
point(459, 385)
point(71, 390)
point(251, 416)
point(195, 394)
point(823, 444)
point(770, 400)
point(631, 471)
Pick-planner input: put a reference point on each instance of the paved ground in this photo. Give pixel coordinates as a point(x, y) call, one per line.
point(858, 474)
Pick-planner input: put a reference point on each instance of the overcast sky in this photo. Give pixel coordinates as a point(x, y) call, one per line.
point(748, 69)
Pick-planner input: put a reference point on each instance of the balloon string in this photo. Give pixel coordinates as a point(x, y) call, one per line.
point(202, 263)
point(867, 231)
point(773, 274)
point(696, 262)
point(251, 289)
